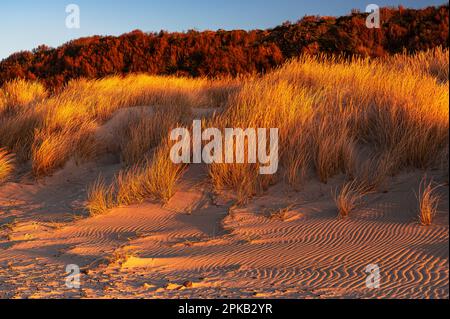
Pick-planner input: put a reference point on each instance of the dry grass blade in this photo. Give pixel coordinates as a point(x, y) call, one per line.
point(100, 198)
point(17, 95)
point(428, 202)
point(147, 131)
point(155, 179)
point(349, 197)
point(6, 165)
point(161, 175)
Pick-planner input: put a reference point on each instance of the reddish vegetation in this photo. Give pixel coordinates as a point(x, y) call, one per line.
point(230, 52)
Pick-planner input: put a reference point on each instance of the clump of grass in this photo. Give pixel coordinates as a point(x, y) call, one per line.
point(428, 202)
point(49, 151)
point(349, 198)
point(52, 148)
point(432, 62)
point(6, 165)
point(155, 178)
point(375, 171)
point(17, 94)
point(244, 179)
point(100, 198)
point(20, 115)
point(334, 150)
point(297, 161)
point(146, 132)
point(261, 104)
point(329, 111)
point(17, 132)
point(130, 184)
point(161, 175)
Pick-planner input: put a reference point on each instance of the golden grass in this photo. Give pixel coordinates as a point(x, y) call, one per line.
point(17, 132)
point(100, 198)
point(433, 62)
point(99, 99)
point(33, 125)
point(146, 132)
point(349, 198)
point(260, 105)
point(334, 150)
point(19, 115)
point(332, 112)
point(6, 165)
point(19, 94)
point(95, 102)
point(162, 175)
point(154, 178)
point(428, 202)
point(242, 178)
point(365, 118)
point(375, 171)
point(51, 150)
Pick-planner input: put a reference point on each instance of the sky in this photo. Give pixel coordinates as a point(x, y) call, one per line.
point(26, 24)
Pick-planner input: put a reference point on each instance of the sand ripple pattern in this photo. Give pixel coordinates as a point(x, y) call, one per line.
point(238, 252)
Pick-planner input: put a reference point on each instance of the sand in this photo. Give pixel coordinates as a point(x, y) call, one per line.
point(282, 244)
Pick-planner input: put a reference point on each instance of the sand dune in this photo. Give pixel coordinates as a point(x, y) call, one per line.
point(198, 245)
point(69, 199)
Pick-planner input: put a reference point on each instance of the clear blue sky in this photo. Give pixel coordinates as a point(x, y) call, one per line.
point(25, 24)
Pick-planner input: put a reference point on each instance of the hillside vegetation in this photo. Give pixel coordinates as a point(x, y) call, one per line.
point(236, 52)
